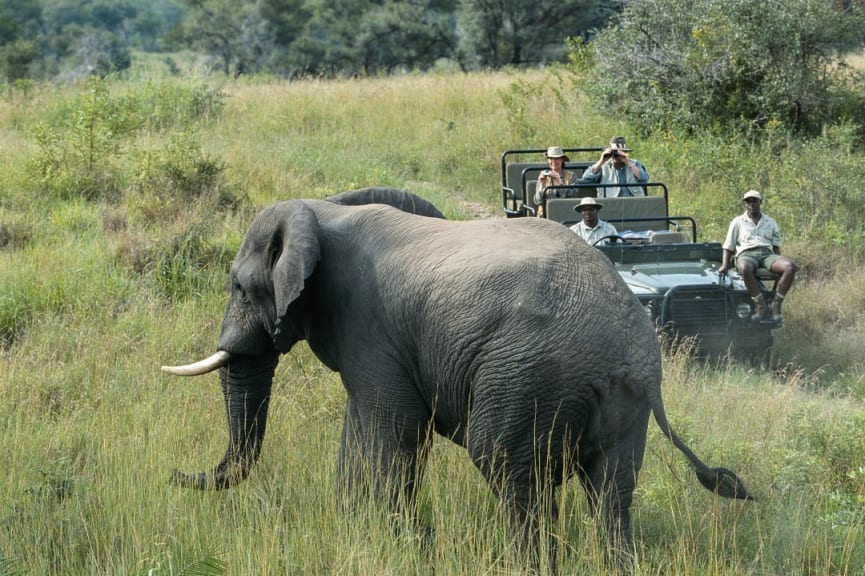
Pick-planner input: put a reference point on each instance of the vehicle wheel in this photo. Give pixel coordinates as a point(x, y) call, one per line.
point(759, 356)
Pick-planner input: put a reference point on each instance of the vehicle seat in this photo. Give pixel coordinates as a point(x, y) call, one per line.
point(669, 237)
point(768, 278)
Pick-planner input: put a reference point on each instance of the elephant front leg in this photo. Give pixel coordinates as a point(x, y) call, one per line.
point(526, 501)
point(527, 527)
point(380, 456)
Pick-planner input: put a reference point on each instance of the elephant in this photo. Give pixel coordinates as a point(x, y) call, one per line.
point(405, 201)
point(541, 364)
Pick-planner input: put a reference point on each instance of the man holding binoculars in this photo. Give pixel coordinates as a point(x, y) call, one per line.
point(616, 167)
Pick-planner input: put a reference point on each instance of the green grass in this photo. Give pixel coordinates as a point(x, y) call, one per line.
point(98, 290)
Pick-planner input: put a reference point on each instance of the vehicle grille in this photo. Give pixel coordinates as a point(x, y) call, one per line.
point(696, 309)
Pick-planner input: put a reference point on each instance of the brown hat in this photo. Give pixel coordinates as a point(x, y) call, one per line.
point(556, 152)
point(618, 143)
point(588, 201)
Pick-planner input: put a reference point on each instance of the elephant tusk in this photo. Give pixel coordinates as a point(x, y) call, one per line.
point(210, 364)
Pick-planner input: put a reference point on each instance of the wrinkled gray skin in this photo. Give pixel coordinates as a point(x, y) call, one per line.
point(541, 364)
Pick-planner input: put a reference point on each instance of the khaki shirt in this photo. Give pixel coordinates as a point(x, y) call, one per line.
point(592, 235)
point(743, 234)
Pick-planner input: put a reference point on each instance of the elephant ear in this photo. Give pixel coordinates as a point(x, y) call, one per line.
point(295, 254)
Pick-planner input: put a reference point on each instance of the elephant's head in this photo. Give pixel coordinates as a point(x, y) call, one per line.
point(267, 280)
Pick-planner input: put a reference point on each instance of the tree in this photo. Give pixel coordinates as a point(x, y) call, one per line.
point(16, 58)
point(403, 34)
point(25, 15)
point(496, 33)
point(230, 30)
point(286, 19)
point(326, 44)
point(732, 63)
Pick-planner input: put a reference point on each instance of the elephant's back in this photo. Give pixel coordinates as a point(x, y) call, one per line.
point(533, 279)
point(517, 273)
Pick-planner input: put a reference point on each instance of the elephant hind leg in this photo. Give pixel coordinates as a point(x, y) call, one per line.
point(609, 478)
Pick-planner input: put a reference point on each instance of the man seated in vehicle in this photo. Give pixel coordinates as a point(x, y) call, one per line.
point(615, 166)
point(554, 175)
point(754, 239)
point(591, 228)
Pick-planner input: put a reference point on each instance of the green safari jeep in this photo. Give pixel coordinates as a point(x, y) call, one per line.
point(673, 275)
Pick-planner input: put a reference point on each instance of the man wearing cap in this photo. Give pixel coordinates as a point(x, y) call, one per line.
point(615, 166)
point(754, 239)
point(591, 228)
point(555, 175)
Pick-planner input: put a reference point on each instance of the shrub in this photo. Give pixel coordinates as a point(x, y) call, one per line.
point(80, 148)
point(731, 63)
point(166, 179)
point(75, 156)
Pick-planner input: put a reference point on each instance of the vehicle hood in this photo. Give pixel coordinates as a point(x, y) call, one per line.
point(658, 277)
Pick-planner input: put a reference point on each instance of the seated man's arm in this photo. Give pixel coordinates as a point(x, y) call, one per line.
point(641, 174)
point(592, 174)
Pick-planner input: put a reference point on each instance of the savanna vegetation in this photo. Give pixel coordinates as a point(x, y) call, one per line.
point(124, 199)
point(42, 39)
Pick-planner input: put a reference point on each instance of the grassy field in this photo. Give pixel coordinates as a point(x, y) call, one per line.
point(122, 204)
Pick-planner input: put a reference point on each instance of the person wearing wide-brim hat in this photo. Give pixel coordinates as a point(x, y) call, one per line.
point(615, 166)
point(591, 228)
point(755, 241)
point(554, 175)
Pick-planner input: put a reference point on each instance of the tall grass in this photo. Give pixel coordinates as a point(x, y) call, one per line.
point(98, 290)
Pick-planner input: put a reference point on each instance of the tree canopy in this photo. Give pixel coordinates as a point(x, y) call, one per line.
point(43, 38)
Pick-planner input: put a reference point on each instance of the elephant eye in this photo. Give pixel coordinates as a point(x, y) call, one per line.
point(237, 288)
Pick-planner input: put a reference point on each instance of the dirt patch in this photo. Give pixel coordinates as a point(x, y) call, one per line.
point(479, 211)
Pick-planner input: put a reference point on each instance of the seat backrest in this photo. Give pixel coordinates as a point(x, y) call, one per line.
point(514, 173)
point(669, 237)
point(531, 186)
point(616, 211)
point(514, 177)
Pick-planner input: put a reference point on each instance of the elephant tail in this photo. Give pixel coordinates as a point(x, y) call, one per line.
point(722, 481)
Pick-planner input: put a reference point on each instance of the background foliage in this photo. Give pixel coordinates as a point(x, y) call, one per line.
point(741, 65)
point(46, 38)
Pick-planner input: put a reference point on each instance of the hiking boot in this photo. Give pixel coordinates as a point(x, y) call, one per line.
point(760, 308)
point(776, 307)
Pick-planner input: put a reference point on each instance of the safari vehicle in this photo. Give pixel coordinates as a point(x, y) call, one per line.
point(673, 274)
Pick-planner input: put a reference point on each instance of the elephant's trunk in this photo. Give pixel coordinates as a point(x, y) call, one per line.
point(246, 386)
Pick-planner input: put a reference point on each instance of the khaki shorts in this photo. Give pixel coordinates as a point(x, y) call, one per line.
point(760, 257)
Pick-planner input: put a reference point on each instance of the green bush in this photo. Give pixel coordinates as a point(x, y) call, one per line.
point(164, 180)
point(717, 64)
point(81, 148)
